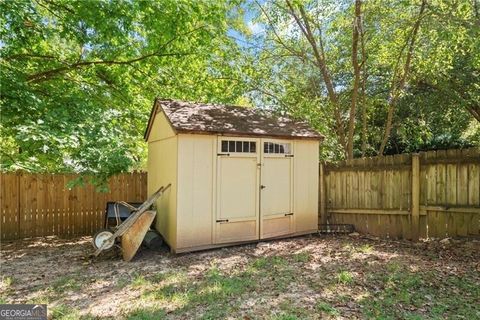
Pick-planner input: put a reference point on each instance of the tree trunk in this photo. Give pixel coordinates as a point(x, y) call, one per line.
point(318, 52)
point(356, 71)
point(364, 89)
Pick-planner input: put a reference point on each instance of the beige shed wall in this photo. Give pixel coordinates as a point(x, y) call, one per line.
point(196, 176)
point(162, 170)
point(161, 128)
point(306, 185)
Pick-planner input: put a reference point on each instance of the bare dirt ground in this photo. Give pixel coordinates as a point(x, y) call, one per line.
point(311, 277)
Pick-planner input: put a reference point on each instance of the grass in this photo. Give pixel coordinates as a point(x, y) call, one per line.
point(403, 293)
point(366, 248)
point(301, 257)
point(344, 277)
point(66, 283)
point(5, 286)
point(327, 308)
point(212, 292)
point(63, 312)
point(139, 281)
point(7, 282)
point(147, 314)
point(317, 278)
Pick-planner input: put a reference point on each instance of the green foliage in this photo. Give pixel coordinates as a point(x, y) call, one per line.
point(441, 95)
point(78, 77)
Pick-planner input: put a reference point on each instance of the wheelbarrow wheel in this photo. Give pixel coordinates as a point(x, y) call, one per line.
point(100, 237)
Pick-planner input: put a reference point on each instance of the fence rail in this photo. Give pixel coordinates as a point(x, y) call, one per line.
point(431, 194)
point(34, 205)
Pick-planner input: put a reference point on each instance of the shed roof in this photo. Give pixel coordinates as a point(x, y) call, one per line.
point(206, 118)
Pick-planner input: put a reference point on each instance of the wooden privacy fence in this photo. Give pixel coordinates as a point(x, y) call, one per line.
point(430, 194)
point(34, 205)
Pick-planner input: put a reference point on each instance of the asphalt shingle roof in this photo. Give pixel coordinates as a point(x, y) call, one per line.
point(225, 119)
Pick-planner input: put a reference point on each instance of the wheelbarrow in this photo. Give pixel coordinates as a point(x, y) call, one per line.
point(132, 230)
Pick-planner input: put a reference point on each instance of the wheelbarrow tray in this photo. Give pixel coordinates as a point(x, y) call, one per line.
point(131, 220)
point(133, 237)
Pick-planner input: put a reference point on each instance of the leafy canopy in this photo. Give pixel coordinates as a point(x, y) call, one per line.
point(78, 77)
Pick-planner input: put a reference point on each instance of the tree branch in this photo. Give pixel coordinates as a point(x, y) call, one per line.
point(45, 75)
point(396, 90)
point(319, 54)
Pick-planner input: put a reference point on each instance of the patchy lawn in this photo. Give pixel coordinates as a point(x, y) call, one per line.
point(301, 278)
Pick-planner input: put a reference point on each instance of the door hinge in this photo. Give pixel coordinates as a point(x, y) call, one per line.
point(289, 214)
point(289, 156)
point(223, 154)
point(222, 220)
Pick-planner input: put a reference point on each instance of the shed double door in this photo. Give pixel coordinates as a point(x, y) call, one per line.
point(254, 189)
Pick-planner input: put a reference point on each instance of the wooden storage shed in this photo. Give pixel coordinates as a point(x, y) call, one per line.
point(237, 174)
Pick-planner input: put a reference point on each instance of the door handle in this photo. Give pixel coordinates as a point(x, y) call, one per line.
point(289, 214)
point(222, 220)
point(262, 187)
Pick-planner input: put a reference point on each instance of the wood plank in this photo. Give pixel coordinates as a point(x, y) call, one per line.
point(462, 198)
point(361, 185)
point(321, 196)
point(9, 206)
point(57, 203)
point(458, 209)
point(474, 197)
point(327, 195)
point(431, 196)
point(441, 195)
point(451, 193)
point(370, 211)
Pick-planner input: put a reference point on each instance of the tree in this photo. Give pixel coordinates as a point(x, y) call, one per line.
point(313, 62)
point(400, 79)
point(78, 78)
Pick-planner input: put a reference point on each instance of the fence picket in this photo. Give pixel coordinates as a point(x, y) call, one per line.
point(449, 196)
point(33, 205)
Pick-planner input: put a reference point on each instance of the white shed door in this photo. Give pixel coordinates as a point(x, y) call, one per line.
point(237, 190)
point(276, 203)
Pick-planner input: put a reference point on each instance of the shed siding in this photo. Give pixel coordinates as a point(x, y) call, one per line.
point(306, 185)
point(196, 156)
point(162, 170)
point(161, 128)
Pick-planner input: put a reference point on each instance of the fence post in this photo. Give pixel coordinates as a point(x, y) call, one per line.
point(323, 216)
point(415, 209)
